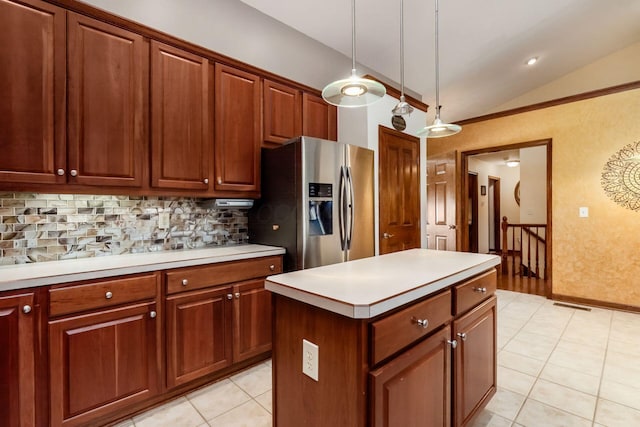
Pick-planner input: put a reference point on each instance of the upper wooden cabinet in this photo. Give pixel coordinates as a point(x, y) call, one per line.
point(108, 92)
point(282, 112)
point(238, 125)
point(319, 119)
point(181, 141)
point(32, 92)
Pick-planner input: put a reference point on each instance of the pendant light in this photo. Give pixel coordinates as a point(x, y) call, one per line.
point(402, 107)
point(438, 129)
point(354, 91)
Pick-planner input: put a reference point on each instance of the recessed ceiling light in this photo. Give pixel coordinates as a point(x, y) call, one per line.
point(532, 60)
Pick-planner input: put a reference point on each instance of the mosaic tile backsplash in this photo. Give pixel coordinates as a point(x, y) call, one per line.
point(50, 227)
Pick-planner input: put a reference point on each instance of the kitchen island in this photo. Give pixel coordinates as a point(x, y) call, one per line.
point(404, 339)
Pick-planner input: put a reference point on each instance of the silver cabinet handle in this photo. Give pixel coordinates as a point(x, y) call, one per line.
point(60, 172)
point(387, 235)
point(153, 314)
point(423, 322)
point(480, 290)
point(462, 336)
point(185, 282)
point(26, 309)
point(219, 180)
point(73, 172)
point(229, 296)
point(272, 267)
point(237, 295)
point(452, 343)
point(108, 295)
point(206, 180)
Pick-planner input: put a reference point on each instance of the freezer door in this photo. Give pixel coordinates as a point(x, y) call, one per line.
point(360, 221)
point(321, 229)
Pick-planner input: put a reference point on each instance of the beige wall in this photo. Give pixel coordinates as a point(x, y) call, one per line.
point(598, 257)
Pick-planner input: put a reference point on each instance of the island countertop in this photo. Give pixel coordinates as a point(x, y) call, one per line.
point(368, 287)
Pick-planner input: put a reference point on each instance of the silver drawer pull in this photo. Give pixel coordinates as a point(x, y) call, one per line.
point(480, 290)
point(462, 336)
point(453, 343)
point(185, 282)
point(272, 267)
point(108, 295)
point(423, 322)
point(26, 309)
point(153, 314)
point(237, 295)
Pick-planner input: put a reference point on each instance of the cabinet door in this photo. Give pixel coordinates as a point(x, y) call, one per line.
point(238, 123)
point(319, 119)
point(413, 390)
point(198, 334)
point(102, 362)
point(282, 112)
point(474, 361)
point(181, 142)
point(251, 320)
point(108, 79)
point(32, 92)
point(17, 370)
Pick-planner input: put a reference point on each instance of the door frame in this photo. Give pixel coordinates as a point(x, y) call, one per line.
point(462, 214)
point(472, 196)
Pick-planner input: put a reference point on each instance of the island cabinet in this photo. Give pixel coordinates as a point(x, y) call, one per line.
point(17, 360)
point(428, 362)
point(104, 348)
point(217, 316)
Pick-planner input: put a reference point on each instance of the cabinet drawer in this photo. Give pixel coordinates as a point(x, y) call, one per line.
point(191, 278)
point(76, 298)
point(472, 292)
point(398, 330)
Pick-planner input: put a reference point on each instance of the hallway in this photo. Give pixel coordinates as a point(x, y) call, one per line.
point(522, 284)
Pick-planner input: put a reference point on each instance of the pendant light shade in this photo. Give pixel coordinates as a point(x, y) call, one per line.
point(354, 91)
point(402, 107)
point(439, 128)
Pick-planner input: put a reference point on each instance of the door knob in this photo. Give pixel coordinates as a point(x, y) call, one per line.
point(452, 226)
point(387, 235)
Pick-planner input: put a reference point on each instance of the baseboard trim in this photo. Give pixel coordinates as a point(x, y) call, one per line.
point(595, 303)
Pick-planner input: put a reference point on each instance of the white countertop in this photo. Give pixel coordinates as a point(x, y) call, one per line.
point(51, 272)
point(367, 287)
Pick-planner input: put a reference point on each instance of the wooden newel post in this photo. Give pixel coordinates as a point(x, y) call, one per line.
point(505, 243)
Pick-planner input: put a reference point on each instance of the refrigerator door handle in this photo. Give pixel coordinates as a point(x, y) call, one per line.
point(351, 206)
point(341, 210)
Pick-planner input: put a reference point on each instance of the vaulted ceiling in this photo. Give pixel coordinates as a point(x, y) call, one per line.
point(483, 44)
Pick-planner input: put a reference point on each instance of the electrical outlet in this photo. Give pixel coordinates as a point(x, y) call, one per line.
point(164, 220)
point(583, 212)
point(310, 353)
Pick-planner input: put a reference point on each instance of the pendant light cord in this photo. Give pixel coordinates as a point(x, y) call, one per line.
point(353, 36)
point(401, 50)
point(437, 68)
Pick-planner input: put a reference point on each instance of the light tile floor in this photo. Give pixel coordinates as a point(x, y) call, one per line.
point(557, 366)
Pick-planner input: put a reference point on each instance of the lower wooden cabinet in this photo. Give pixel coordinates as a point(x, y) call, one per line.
point(401, 397)
point(198, 334)
point(474, 360)
point(102, 362)
point(17, 361)
point(251, 320)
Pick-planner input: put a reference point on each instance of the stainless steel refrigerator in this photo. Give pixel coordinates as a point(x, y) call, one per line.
point(317, 202)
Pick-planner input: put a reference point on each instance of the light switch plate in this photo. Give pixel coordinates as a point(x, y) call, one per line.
point(310, 352)
point(584, 212)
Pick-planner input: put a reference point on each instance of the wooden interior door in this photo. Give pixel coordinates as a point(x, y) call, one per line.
point(494, 214)
point(399, 166)
point(473, 219)
point(441, 202)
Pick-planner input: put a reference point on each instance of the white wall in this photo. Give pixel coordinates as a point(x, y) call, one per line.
point(360, 126)
point(533, 185)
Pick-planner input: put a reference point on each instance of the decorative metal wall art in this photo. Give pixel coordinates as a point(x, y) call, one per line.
point(621, 177)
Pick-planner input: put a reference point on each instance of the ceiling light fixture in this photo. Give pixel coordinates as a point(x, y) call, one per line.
point(438, 129)
point(513, 163)
point(532, 60)
point(402, 107)
point(354, 91)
